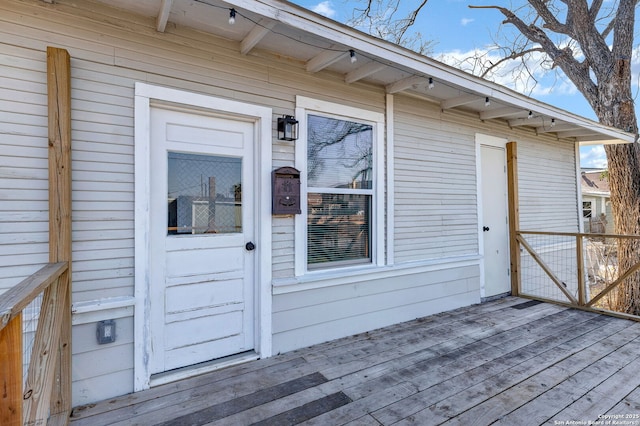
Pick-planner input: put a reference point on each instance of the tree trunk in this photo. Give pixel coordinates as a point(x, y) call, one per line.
point(615, 108)
point(624, 178)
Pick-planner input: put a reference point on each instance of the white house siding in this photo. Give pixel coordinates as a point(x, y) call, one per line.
point(547, 185)
point(310, 316)
point(435, 180)
point(435, 239)
point(436, 199)
point(110, 51)
point(24, 184)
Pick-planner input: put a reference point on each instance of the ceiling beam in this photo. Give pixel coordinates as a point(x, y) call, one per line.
point(459, 101)
point(533, 121)
point(499, 113)
point(578, 133)
point(363, 72)
point(557, 128)
point(405, 83)
point(163, 15)
point(324, 59)
point(256, 34)
point(597, 139)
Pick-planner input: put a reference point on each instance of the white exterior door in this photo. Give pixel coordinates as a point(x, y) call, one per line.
point(495, 224)
point(201, 275)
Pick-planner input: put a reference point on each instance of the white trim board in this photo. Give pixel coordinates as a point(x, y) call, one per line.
point(147, 95)
point(101, 309)
point(293, 285)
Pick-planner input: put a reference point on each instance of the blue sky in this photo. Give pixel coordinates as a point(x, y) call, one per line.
point(458, 30)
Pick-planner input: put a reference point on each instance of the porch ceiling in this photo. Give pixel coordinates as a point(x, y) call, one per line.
point(284, 29)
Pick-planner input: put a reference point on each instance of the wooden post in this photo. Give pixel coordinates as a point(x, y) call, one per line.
point(57, 299)
point(11, 373)
point(514, 216)
point(59, 95)
point(582, 293)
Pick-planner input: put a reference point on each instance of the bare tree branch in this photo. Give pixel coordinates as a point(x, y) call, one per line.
point(549, 18)
point(577, 72)
point(595, 9)
point(412, 18)
point(513, 56)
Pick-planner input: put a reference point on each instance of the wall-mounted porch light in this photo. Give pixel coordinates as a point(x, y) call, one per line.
point(287, 128)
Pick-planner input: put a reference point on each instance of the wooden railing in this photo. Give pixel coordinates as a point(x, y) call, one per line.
point(35, 404)
point(575, 269)
point(47, 394)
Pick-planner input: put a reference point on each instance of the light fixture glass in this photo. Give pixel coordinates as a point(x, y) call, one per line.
point(287, 128)
point(232, 16)
point(352, 54)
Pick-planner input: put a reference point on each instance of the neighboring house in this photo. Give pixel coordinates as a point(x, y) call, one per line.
point(401, 164)
point(596, 204)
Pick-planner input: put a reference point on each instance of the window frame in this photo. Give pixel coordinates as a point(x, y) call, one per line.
point(308, 106)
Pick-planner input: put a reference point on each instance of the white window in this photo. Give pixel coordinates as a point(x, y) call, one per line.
point(339, 155)
point(587, 209)
point(339, 191)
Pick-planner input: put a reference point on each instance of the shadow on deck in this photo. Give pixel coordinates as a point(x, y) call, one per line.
point(510, 361)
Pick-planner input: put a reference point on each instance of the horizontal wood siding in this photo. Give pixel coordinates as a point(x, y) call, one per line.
point(304, 318)
point(435, 184)
point(94, 375)
point(435, 180)
point(111, 50)
point(24, 229)
point(548, 164)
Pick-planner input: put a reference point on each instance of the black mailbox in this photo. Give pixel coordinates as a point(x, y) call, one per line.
point(286, 191)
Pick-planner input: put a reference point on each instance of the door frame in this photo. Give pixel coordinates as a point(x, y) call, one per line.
point(146, 97)
point(487, 140)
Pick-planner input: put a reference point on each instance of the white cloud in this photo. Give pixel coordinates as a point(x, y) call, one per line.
point(533, 78)
point(325, 8)
point(593, 156)
point(466, 21)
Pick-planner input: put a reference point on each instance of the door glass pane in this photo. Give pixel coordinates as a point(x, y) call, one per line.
point(205, 194)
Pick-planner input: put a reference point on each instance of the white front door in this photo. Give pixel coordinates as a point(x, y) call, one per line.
point(495, 223)
point(201, 273)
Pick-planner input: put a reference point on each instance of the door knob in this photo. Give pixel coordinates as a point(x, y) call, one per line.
point(485, 228)
point(250, 246)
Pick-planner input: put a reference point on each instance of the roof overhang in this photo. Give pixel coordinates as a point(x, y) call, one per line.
point(285, 29)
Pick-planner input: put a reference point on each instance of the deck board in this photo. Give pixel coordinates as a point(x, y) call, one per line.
point(503, 362)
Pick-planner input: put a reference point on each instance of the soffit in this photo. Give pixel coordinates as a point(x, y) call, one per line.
point(288, 30)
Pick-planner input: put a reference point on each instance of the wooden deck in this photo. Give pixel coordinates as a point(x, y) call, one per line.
point(509, 362)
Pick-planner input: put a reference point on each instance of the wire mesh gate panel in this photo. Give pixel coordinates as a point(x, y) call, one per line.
point(554, 265)
point(558, 252)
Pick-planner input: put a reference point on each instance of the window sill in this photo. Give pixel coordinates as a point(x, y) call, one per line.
point(335, 277)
